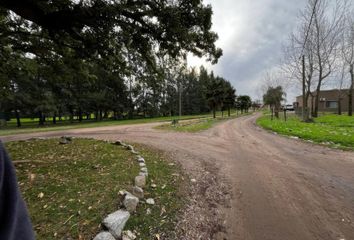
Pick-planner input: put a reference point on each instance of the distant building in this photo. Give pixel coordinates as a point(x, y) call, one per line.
point(328, 100)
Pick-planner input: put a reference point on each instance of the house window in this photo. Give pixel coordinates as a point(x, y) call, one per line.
point(331, 104)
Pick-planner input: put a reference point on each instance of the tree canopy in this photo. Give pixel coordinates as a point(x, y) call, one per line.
point(243, 103)
point(273, 98)
point(100, 28)
point(107, 59)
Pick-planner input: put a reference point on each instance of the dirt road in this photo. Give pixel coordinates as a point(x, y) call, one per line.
point(251, 184)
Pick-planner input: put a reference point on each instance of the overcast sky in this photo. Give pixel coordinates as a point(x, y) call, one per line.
point(251, 34)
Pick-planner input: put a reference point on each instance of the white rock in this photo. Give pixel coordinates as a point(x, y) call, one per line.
point(141, 164)
point(64, 141)
point(138, 192)
point(193, 180)
point(140, 181)
point(153, 185)
point(144, 169)
point(150, 201)
point(134, 152)
point(130, 202)
point(130, 147)
point(141, 160)
point(104, 236)
point(128, 235)
point(143, 174)
point(116, 221)
point(148, 211)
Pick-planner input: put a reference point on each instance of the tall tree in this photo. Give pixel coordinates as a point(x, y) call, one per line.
point(243, 103)
point(302, 71)
point(273, 98)
point(215, 93)
point(347, 55)
point(325, 35)
point(229, 97)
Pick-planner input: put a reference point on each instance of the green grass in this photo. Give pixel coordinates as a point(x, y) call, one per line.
point(31, 125)
point(189, 126)
point(80, 182)
point(196, 125)
point(168, 196)
point(334, 130)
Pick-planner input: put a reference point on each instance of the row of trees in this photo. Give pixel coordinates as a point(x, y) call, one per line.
point(81, 89)
point(321, 51)
point(107, 59)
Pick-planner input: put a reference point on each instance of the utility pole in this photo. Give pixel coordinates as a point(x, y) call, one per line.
point(179, 99)
point(304, 103)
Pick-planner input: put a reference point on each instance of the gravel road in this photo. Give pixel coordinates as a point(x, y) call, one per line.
point(251, 184)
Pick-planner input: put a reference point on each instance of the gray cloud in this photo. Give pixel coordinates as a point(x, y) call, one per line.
point(251, 34)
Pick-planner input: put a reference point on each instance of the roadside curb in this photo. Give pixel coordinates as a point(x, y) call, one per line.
point(113, 225)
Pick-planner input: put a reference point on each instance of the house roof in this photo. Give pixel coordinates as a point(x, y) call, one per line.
point(327, 91)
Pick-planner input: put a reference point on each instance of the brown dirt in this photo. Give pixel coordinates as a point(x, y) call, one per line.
point(251, 184)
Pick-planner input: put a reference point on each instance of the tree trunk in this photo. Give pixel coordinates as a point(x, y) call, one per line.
point(312, 106)
point(214, 112)
point(80, 115)
point(272, 113)
point(317, 99)
point(96, 115)
point(40, 115)
point(54, 119)
point(71, 116)
point(276, 110)
point(18, 120)
point(304, 95)
point(339, 105)
point(229, 111)
point(306, 116)
point(350, 94)
point(276, 113)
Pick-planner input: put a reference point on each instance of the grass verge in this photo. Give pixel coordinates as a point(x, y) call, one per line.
point(333, 130)
point(70, 188)
point(31, 126)
point(196, 125)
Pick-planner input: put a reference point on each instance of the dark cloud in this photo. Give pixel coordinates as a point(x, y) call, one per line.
point(251, 35)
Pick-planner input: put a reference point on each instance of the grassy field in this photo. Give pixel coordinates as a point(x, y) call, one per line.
point(334, 130)
point(196, 125)
point(70, 188)
point(30, 125)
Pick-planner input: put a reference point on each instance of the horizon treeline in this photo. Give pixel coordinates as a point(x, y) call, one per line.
point(79, 89)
